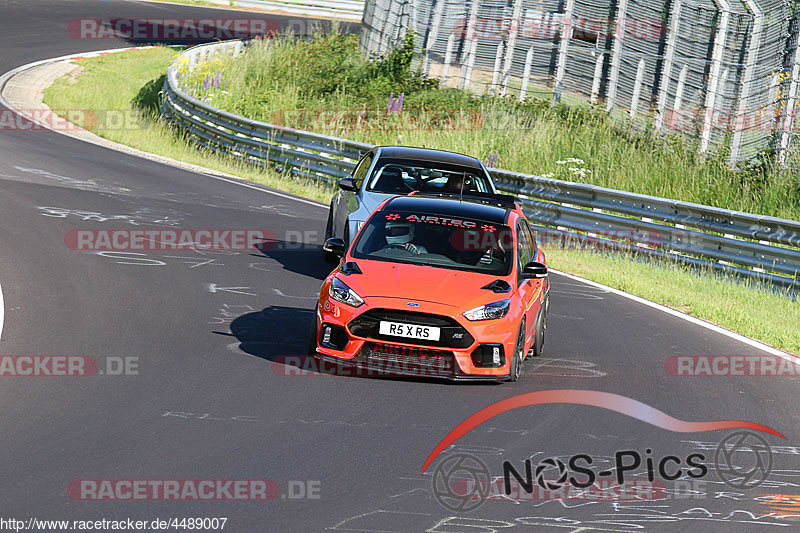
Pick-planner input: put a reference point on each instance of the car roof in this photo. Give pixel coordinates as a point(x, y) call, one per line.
point(451, 207)
point(427, 154)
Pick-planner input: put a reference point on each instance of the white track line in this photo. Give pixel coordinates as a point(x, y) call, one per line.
point(2, 311)
point(274, 193)
point(688, 318)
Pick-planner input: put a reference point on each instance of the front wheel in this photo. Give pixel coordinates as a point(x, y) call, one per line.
point(541, 329)
point(519, 351)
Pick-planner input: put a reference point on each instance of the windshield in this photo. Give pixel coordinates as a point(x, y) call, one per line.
point(401, 176)
point(437, 241)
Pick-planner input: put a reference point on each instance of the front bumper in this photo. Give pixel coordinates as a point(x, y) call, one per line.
point(343, 367)
point(354, 343)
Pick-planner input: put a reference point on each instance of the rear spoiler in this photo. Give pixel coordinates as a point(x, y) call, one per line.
point(503, 200)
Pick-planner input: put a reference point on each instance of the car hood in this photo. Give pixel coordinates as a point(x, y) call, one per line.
point(418, 283)
point(371, 200)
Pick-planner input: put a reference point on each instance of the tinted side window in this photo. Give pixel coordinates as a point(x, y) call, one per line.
point(523, 245)
point(526, 229)
point(361, 170)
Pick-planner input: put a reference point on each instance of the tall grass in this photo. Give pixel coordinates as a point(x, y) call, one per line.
point(341, 93)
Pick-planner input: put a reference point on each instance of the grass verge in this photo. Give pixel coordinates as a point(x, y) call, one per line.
point(122, 91)
point(746, 307)
point(130, 81)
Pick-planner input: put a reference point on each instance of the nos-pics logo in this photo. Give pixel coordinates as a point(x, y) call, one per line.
point(462, 482)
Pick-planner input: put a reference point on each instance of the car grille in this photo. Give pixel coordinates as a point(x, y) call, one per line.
point(396, 359)
point(453, 335)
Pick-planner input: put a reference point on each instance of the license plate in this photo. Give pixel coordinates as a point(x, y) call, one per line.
point(411, 331)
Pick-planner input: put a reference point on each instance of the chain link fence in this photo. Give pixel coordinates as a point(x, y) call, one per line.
point(725, 75)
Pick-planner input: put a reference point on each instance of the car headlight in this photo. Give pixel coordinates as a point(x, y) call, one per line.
point(340, 292)
point(489, 311)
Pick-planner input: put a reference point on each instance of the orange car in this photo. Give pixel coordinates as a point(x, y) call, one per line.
point(446, 285)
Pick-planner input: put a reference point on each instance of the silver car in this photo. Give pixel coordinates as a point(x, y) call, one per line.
point(387, 171)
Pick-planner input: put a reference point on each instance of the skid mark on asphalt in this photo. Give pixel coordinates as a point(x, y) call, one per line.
point(140, 217)
point(84, 185)
point(576, 290)
point(556, 315)
point(577, 295)
point(278, 209)
point(130, 258)
point(279, 293)
point(568, 368)
point(213, 288)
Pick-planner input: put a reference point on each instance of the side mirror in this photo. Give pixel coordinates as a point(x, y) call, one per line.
point(335, 246)
point(534, 270)
point(348, 184)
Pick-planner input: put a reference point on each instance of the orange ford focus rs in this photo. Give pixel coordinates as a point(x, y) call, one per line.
point(446, 286)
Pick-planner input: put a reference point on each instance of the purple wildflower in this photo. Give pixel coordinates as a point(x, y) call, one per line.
point(390, 103)
point(400, 104)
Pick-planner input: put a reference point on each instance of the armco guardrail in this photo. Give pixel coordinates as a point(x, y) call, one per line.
point(756, 246)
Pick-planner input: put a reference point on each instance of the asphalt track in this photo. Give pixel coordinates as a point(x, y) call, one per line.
point(213, 401)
